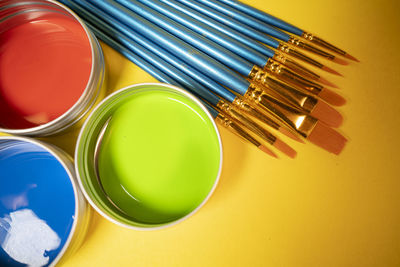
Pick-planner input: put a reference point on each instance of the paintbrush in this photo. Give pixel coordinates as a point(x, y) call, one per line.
point(306, 102)
point(234, 61)
point(266, 28)
point(211, 28)
point(227, 77)
point(122, 33)
point(255, 34)
point(265, 60)
point(236, 126)
point(274, 21)
point(159, 75)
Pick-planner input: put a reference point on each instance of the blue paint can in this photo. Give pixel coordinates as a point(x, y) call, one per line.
point(43, 215)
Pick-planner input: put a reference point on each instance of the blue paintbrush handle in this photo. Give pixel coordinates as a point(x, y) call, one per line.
point(246, 19)
point(154, 60)
point(119, 30)
point(189, 54)
point(159, 75)
point(228, 21)
point(156, 73)
point(238, 36)
point(212, 49)
point(262, 16)
point(199, 27)
point(214, 113)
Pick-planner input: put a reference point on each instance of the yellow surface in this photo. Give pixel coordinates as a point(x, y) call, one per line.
point(317, 210)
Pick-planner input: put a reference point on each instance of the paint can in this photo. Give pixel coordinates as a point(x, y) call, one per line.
point(148, 156)
point(51, 67)
point(43, 214)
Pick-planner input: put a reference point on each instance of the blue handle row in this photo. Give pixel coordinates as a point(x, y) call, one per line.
point(115, 28)
point(262, 16)
point(246, 19)
point(228, 21)
point(187, 53)
point(210, 33)
point(238, 36)
point(160, 76)
point(210, 48)
point(156, 73)
point(145, 54)
point(151, 69)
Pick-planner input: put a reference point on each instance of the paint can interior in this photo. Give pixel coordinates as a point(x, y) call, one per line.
point(43, 214)
point(148, 156)
point(51, 67)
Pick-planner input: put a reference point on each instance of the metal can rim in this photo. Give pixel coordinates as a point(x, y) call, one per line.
point(81, 208)
point(81, 136)
point(63, 121)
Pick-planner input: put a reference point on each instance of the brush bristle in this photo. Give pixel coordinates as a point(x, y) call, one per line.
point(326, 82)
point(331, 97)
point(327, 114)
point(340, 61)
point(284, 148)
point(290, 134)
point(325, 68)
point(327, 138)
point(351, 57)
point(267, 151)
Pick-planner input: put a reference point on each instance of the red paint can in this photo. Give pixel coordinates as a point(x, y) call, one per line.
point(51, 67)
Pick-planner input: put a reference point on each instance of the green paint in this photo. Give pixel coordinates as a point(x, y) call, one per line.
point(159, 156)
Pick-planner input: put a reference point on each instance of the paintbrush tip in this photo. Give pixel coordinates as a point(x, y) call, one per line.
point(327, 114)
point(325, 68)
point(331, 97)
point(284, 148)
point(326, 82)
point(290, 134)
point(327, 138)
point(340, 61)
point(267, 151)
point(351, 57)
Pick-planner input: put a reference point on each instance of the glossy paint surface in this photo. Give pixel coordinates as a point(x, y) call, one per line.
point(159, 157)
point(45, 65)
point(37, 205)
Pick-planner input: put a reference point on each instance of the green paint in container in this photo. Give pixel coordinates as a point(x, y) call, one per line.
point(148, 156)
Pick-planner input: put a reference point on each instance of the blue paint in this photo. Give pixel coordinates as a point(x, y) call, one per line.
point(36, 195)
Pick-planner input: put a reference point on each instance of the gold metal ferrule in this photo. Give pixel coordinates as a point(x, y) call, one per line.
point(287, 49)
point(293, 65)
point(242, 105)
point(291, 77)
point(299, 43)
point(236, 129)
point(282, 91)
point(318, 41)
point(228, 109)
point(297, 120)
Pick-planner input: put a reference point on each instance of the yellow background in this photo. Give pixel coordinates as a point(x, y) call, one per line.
point(316, 210)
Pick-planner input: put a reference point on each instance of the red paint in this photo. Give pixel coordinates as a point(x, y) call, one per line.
point(45, 66)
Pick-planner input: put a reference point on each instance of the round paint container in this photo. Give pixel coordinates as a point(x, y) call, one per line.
point(51, 67)
point(148, 156)
point(43, 214)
